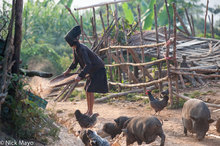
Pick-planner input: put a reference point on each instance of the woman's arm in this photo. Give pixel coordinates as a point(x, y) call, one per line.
point(88, 63)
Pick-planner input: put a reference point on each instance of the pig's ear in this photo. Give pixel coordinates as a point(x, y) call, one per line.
point(125, 131)
point(211, 120)
point(116, 121)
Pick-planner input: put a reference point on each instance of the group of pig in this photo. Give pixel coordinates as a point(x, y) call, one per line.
point(195, 118)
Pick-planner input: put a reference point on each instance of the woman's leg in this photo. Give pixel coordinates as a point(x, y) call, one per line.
point(90, 102)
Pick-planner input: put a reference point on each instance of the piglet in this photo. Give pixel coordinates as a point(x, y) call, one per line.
point(144, 129)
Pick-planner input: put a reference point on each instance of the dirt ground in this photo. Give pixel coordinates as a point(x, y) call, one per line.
point(172, 124)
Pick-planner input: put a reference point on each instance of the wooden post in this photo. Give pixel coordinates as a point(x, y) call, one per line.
point(193, 27)
point(206, 13)
point(142, 49)
point(158, 49)
point(126, 42)
point(103, 25)
point(174, 50)
point(190, 25)
point(119, 71)
point(81, 25)
point(168, 14)
point(168, 69)
point(78, 24)
point(17, 35)
point(213, 34)
point(94, 25)
point(107, 9)
point(116, 22)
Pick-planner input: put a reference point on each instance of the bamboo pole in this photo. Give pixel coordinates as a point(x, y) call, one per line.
point(158, 49)
point(195, 74)
point(193, 27)
point(190, 25)
point(142, 49)
point(94, 25)
point(136, 64)
point(181, 30)
point(174, 49)
point(206, 13)
point(135, 47)
point(198, 70)
point(168, 69)
point(81, 26)
point(187, 98)
point(78, 24)
point(168, 14)
point(139, 84)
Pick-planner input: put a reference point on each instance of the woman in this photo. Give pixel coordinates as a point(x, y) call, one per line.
point(90, 64)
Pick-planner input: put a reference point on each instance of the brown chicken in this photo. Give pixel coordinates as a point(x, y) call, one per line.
point(158, 105)
point(86, 121)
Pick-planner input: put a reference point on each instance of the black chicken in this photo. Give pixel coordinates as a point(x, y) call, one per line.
point(156, 104)
point(86, 121)
point(111, 129)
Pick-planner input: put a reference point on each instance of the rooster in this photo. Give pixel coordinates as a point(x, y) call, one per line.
point(158, 105)
point(96, 140)
point(86, 121)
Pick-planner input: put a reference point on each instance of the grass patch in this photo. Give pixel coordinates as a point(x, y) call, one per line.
point(195, 94)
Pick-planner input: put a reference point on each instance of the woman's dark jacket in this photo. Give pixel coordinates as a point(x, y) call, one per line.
point(88, 60)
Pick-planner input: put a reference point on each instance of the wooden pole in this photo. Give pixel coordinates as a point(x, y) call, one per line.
point(213, 34)
point(168, 14)
point(78, 24)
point(17, 35)
point(168, 69)
point(81, 25)
point(142, 49)
point(94, 25)
point(193, 27)
point(103, 25)
point(182, 23)
point(190, 25)
point(206, 13)
point(126, 42)
point(107, 10)
point(158, 49)
point(116, 22)
point(174, 50)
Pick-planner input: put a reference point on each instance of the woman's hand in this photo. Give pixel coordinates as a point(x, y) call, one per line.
point(66, 72)
point(78, 78)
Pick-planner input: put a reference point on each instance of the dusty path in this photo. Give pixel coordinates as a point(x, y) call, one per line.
point(171, 120)
point(172, 124)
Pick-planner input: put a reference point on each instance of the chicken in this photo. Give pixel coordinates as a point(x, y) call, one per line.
point(96, 140)
point(156, 104)
point(86, 121)
point(84, 138)
point(111, 129)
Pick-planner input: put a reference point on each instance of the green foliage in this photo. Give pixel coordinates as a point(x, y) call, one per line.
point(162, 16)
point(150, 17)
point(128, 13)
point(24, 118)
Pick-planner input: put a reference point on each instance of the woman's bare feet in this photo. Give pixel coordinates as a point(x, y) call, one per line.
point(88, 113)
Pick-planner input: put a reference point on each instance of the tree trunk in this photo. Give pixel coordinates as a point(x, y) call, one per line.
point(18, 35)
